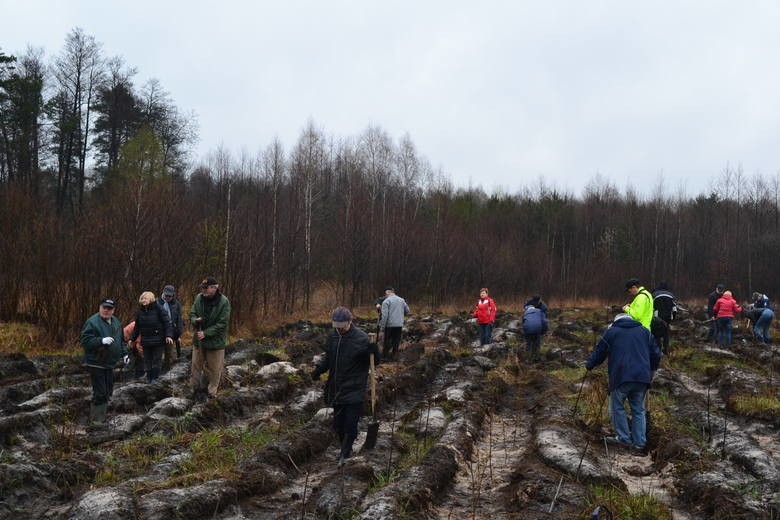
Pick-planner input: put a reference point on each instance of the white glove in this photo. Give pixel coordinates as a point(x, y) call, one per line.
point(108, 340)
point(126, 359)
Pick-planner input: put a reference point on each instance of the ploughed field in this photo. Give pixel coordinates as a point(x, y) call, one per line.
point(465, 432)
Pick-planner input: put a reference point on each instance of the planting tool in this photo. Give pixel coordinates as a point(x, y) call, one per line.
point(373, 426)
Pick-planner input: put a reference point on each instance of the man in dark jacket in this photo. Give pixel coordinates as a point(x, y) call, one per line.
point(103, 343)
point(665, 306)
point(346, 360)
point(209, 316)
point(633, 358)
point(711, 299)
point(171, 305)
point(534, 325)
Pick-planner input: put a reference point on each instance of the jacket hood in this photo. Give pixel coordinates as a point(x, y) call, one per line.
point(626, 323)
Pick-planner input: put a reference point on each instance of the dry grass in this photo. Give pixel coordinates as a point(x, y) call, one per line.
point(758, 405)
point(28, 339)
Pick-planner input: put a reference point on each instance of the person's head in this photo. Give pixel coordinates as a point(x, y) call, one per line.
point(389, 290)
point(106, 309)
point(720, 288)
point(341, 319)
point(756, 296)
point(632, 286)
point(209, 286)
point(727, 294)
point(168, 292)
point(483, 293)
point(146, 298)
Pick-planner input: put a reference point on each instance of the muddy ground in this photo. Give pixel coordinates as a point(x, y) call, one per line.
point(465, 432)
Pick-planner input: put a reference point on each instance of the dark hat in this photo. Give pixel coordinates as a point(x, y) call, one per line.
point(107, 302)
point(389, 288)
point(341, 317)
point(209, 280)
point(632, 282)
point(168, 290)
point(720, 287)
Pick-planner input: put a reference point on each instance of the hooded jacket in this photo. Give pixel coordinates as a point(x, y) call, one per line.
point(346, 360)
point(726, 306)
point(534, 321)
point(631, 350)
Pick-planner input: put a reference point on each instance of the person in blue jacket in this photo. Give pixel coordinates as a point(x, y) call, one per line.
point(534, 325)
point(633, 357)
point(103, 342)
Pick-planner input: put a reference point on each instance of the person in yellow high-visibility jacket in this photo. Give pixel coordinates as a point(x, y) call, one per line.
point(641, 307)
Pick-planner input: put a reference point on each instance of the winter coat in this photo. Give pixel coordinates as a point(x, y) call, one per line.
point(711, 299)
point(485, 311)
point(175, 317)
point(346, 360)
point(763, 302)
point(641, 308)
point(394, 309)
point(153, 325)
point(215, 312)
point(534, 321)
point(95, 353)
point(538, 303)
point(631, 350)
point(726, 307)
point(665, 305)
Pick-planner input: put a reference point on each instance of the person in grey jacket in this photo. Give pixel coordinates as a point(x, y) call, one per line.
point(103, 343)
point(394, 308)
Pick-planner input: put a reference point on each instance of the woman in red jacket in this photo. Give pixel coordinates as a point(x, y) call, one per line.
point(724, 309)
point(486, 315)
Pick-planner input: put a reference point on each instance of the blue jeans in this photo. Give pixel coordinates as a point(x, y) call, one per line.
point(761, 328)
point(485, 333)
point(635, 393)
point(724, 331)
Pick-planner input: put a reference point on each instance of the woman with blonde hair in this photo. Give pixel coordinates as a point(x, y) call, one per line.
point(155, 329)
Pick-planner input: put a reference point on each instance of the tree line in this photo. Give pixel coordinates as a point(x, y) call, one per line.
point(97, 198)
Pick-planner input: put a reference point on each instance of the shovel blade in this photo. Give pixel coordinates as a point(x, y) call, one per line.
point(371, 435)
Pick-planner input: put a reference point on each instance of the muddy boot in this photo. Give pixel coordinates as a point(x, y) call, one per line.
point(345, 453)
point(97, 415)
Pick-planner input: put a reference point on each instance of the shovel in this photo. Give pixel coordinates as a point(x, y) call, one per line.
point(373, 426)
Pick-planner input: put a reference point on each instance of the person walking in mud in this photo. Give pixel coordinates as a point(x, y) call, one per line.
point(632, 356)
point(155, 331)
point(725, 309)
point(346, 361)
point(665, 306)
point(711, 299)
point(209, 316)
point(103, 344)
point(391, 322)
point(172, 307)
point(485, 313)
point(534, 326)
point(641, 307)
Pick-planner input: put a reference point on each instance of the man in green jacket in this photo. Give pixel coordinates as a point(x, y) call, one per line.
point(209, 316)
point(641, 308)
point(103, 343)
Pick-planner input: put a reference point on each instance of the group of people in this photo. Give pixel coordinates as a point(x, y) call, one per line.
point(154, 334)
point(722, 308)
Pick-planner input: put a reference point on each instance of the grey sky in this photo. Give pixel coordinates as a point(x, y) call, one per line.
point(494, 93)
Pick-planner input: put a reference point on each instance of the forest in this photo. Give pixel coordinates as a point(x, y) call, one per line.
point(99, 195)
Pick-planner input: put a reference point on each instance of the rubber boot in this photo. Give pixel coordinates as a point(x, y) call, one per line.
point(154, 374)
point(97, 414)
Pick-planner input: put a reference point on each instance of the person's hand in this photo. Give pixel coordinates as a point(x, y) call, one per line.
point(108, 340)
point(625, 308)
point(201, 334)
point(169, 341)
point(126, 360)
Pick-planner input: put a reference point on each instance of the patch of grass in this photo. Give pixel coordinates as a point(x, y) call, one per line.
point(755, 405)
point(217, 453)
point(382, 479)
point(622, 504)
point(569, 374)
point(132, 457)
point(29, 339)
point(418, 449)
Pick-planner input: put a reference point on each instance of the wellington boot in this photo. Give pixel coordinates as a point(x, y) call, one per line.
point(97, 414)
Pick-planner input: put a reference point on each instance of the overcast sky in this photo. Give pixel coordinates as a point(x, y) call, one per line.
point(494, 93)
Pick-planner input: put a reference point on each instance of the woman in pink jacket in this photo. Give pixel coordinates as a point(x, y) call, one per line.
point(486, 316)
point(725, 308)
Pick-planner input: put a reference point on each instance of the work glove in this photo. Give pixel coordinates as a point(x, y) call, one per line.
point(108, 340)
point(126, 360)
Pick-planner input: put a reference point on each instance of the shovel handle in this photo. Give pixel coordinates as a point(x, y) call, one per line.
point(373, 383)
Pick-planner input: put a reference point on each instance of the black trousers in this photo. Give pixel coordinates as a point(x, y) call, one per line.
point(345, 424)
point(102, 384)
point(392, 340)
